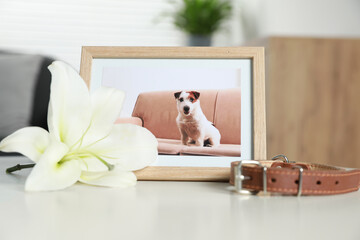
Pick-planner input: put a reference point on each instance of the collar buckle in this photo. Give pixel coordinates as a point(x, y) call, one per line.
point(239, 177)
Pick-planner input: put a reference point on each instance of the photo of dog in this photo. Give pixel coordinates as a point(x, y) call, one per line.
point(193, 125)
point(193, 114)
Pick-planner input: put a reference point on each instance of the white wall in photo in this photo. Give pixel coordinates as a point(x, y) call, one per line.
point(135, 80)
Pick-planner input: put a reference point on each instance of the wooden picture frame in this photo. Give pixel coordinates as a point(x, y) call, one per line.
point(91, 55)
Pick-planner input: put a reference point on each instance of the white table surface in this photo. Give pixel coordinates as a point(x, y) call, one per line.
point(168, 210)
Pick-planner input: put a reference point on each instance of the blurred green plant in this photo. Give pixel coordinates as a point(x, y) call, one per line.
point(201, 17)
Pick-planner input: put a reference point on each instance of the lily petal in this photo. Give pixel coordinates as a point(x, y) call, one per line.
point(114, 178)
point(29, 141)
point(49, 174)
point(129, 147)
point(69, 106)
point(106, 106)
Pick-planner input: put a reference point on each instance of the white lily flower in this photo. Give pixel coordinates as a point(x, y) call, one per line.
point(83, 143)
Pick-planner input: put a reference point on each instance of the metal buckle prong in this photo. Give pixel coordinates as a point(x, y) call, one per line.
point(281, 156)
point(301, 170)
point(239, 177)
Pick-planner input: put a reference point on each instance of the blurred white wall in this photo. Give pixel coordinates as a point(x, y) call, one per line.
point(59, 28)
point(318, 18)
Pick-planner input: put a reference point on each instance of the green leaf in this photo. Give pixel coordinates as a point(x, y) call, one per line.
point(202, 17)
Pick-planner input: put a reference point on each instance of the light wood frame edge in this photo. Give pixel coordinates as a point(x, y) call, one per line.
point(256, 54)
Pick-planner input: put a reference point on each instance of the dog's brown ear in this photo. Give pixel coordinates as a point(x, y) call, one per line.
point(177, 95)
point(196, 94)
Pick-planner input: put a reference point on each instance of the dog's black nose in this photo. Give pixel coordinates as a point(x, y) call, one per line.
point(186, 108)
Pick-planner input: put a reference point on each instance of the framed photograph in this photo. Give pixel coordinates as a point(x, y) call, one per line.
point(205, 105)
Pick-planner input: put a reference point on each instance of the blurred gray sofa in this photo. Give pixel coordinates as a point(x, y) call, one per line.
point(24, 91)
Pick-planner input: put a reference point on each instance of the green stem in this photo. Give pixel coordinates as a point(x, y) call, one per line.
point(19, 167)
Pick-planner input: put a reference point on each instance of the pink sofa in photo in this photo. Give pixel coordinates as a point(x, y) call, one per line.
point(157, 112)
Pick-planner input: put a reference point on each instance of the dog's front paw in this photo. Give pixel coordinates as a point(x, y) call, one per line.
point(184, 141)
point(207, 143)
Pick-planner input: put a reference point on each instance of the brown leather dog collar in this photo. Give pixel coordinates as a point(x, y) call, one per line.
point(292, 178)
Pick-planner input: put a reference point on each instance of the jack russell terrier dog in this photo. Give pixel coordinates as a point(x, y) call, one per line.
point(192, 123)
